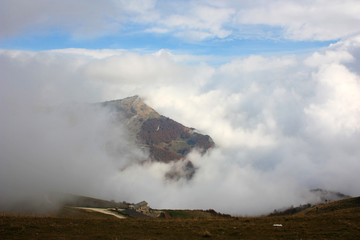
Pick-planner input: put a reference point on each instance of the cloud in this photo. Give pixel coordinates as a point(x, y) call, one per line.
point(282, 125)
point(201, 22)
point(193, 21)
point(306, 20)
point(97, 54)
point(337, 109)
point(51, 142)
point(79, 18)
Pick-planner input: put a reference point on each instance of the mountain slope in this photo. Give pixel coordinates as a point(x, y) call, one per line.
point(166, 139)
point(329, 201)
point(339, 205)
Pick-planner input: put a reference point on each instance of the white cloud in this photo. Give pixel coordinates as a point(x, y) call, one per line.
point(341, 52)
point(200, 22)
point(282, 124)
point(306, 20)
point(157, 30)
point(338, 109)
point(296, 20)
point(49, 142)
point(98, 54)
point(257, 63)
point(80, 18)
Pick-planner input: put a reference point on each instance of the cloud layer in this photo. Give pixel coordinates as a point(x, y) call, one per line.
point(282, 125)
point(190, 20)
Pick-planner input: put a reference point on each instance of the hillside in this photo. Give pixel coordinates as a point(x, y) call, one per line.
point(349, 204)
point(166, 139)
point(345, 204)
point(336, 220)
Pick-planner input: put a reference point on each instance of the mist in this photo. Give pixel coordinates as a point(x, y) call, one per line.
point(282, 125)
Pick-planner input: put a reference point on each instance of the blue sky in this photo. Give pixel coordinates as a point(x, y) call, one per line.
point(149, 42)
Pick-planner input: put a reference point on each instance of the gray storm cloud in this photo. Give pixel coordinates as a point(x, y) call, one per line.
point(282, 125)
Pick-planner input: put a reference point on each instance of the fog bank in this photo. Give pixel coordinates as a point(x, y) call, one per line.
point(282, 125)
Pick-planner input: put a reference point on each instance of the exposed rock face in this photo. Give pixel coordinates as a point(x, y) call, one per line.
point(166, 139)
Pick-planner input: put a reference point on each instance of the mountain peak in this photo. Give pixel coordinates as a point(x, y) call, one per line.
point(134, 109)
point(166, 139)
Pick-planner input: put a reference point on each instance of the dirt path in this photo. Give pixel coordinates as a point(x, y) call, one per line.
point(102, 210)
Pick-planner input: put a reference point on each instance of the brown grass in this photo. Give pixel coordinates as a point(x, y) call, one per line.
point(207, 234)
point(76, 224)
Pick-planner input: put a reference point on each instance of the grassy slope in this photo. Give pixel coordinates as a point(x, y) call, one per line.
point(337, 220)
point(341, 205)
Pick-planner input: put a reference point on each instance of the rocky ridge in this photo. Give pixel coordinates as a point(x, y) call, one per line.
point(166, 139)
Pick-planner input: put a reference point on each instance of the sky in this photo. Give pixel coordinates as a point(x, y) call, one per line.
point(276, 84)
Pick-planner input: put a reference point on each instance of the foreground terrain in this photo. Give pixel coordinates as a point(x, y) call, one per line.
point(336, 220)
